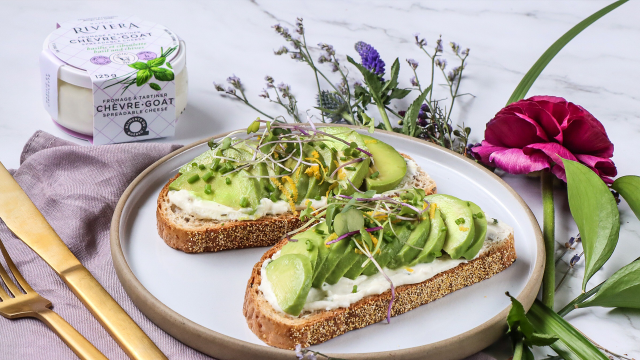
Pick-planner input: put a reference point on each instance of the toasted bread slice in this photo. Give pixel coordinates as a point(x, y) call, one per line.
point(284, 331)
point(185, 232)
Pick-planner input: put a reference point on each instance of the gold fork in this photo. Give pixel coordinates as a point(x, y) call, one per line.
point(30, 304)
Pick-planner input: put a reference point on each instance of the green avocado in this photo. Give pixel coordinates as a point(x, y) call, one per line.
point(414, 243)
point(458, 219)
point(355, 172)
point(290, 278)
point(387, 162)
point(349, 260)
point(336, 252)
point(480, 221)
point(320, 233)
point(388, 250)
point(305, 244)
point(433, 246)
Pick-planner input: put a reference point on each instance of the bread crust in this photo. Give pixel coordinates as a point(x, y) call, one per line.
point(210, 235)
point(283, 331)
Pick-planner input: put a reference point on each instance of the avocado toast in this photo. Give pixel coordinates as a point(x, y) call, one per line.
point(370, 257)
point(248, 192)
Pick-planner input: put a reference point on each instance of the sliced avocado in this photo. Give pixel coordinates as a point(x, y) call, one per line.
point(204, 158)
point(349, 260)
point(414, 243)
point(336, 252)
point(458, 219)
point(356, 269)
point(480, 221)
point(435, 240)
point(306, 245)
point(290, 278)
point(361, 169)
point(389, 250)
point(387, 162)
point(323, 250)
point(342, 266)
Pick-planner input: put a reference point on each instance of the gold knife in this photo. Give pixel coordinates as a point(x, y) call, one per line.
point(27, 223)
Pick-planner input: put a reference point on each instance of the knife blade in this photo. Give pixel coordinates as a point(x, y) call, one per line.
point(25, 220)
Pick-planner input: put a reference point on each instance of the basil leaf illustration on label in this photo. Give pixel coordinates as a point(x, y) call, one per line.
point(155, 86)
point(142, 77)
point(169, 65)
point(595, 212)
point(156, 62)
point(139, 65)
point(622, 289)
point(162, 74)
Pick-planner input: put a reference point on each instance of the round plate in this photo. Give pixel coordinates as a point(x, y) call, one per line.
point(198, 298)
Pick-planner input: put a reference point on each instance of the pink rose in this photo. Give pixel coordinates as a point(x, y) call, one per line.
point(531, 135)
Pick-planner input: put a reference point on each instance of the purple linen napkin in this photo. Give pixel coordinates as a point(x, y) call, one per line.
point(76, 188)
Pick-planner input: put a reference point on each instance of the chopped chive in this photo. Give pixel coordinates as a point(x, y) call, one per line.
point(495, 221)
point(411, 226)
point(355, 152)
point(207, 189)
point(227, 181)
point(215, 165)
point(273, 197)
point(479, 215)
point(244, 202)
point(323, 146)
point(353, 145)
point(343, 158)
point(193, 178)
point(375, 175)
point(201, 166)
point(207, 175)
point(319, 231)
point(309, 245)
point(355, 289)
point(350, 168)
point(211, 143)
point(459, 221)
point(270, 187)
point(193, 164)
point(318, 197)
point(347, 152)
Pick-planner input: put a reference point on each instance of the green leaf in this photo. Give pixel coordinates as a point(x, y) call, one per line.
point(393, 82)
point(530, 77)
point(571, 344)
point(629, 187)
point(169, 65)
point(139, 65)
point(518, 318)
point(142, 77)
point(595, 212)
point(155, 86)
point(409, 121)
point(537, 339)
point(162, 74)
point(622, 289)
point(156, 62)
point(399, 93)
point(367, 121)
point(371, 79)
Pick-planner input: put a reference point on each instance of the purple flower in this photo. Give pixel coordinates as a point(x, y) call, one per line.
point(235, 81)
point(423, 114)
point(218, 86)
point(420, 42)
point(414, 81)
point(412, 63)
point(299, 354)
point(370, 58)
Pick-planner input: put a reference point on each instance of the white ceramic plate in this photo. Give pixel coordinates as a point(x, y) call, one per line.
point(173, 287)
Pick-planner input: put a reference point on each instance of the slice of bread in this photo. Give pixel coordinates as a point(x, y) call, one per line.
point(185, 232)
point(285, 331)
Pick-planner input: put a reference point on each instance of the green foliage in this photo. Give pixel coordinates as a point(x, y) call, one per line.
point(622, 289)
point(530, 77)
point(629, 188)
point(522, 333)
point(571, 344)
point(595, 212)
point(409, 126)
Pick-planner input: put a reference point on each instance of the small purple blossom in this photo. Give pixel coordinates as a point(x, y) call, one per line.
point(218, 86)
point(370, 58)
point(402, 113)
point(282, 50)
point(465, 52)
point(414, 81)
point(231, 91)
point(420, 42)
point(296, 56)
point(439, 45)
point(264, 94)
point(234, 81)
point(423, 114)
point(414, 64)
point(441, 63)
point(574, 260)
point(455, 47)
point(299, 354)
point(299, 26)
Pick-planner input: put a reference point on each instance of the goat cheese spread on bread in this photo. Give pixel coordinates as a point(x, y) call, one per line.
point(341, 294)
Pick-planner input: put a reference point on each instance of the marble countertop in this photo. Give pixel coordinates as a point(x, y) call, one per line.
point(599, 70)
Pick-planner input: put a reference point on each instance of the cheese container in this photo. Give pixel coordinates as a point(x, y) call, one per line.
point(114, 79)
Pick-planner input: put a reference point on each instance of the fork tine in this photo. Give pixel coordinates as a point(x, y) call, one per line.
point(7, 279)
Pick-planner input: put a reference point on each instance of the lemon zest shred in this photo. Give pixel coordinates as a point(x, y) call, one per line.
point(331, 187)
point(409, 269)
point(375, 241)
point(462, 228)
point(432, 210)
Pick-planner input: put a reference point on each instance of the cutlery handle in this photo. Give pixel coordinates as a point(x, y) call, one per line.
point(78, 343)
point(135, 343)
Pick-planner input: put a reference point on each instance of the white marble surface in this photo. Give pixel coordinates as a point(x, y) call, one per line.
point(598, 70)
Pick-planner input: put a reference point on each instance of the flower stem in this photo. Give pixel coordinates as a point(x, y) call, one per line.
point(385, 117)
point(548, 233)
point(315, 71)
point(578, 300)
point(517, 352)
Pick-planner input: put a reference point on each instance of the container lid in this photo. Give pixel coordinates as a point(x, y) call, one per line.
point(72, 69)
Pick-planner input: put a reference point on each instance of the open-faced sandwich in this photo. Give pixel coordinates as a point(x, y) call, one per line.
point(247, 192)
point(366, 257)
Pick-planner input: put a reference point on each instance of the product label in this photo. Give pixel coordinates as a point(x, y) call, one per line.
point(129, 62)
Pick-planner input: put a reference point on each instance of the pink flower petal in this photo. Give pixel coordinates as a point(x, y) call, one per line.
point(602, 166)
point(484, 151)
point(551, 99)
point(514, 131)
point(514, 161)
point(585, 135)
point(554, 151)
point(543, 117)
point(558, 171)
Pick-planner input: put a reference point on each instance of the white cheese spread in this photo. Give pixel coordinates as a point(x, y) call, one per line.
point(340, 294)
point(189, 203)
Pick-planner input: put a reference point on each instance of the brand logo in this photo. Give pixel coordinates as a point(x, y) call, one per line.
point(123, 58)
point(92, 29)
point(134, 123)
